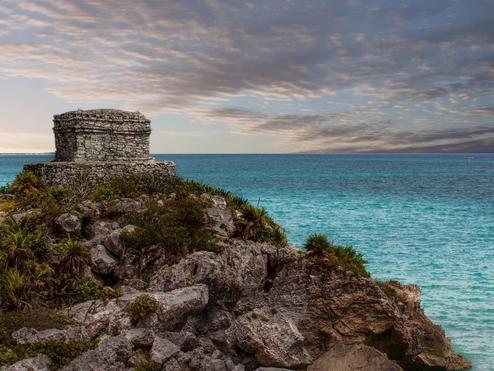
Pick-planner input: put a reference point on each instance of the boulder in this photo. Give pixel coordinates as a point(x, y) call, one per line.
point(123, 206)
point(140, 337)
point(99, 231)
point(272, 337)
point(162, 350)
point(114, 242)
point(349, 357)
point(220, 221)
point(101, 261)
point(215, 201)
point(38, 363)
point(239, 270)
point(174, 307)
point(68, 223)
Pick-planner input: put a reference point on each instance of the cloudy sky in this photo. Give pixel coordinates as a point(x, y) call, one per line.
point(255, 76)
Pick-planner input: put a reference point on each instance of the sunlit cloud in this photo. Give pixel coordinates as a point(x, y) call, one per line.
point(384, 65)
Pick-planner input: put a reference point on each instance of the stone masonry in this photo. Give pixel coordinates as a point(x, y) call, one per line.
point(100, 144)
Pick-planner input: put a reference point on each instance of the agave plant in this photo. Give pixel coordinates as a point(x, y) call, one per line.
point(255, 220)
point(74, 257)
point(16, 289)
point(15, 243)
point(40, 274)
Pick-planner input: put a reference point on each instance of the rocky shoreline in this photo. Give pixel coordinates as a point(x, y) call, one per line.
point(218, 291)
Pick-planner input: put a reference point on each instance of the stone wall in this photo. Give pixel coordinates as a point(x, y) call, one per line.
point(65, 173)
point(101, 135)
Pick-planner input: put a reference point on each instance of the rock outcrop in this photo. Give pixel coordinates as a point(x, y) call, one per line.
point(248, 306)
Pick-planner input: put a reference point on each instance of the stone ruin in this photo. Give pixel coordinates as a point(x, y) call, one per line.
point(100, 144)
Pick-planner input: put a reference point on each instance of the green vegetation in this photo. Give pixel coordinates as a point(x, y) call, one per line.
point(258, 225)
point(5, 189)
point(344, 256)
point(60, 353)
point(178, 227)
point(74, 257)
point(30, 272)
point(25, 182)
point(140, 308)
point(40, 264)
point(146, 364)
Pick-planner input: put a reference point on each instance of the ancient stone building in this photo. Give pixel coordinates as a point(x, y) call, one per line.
point(101, 135)
point(99, 144)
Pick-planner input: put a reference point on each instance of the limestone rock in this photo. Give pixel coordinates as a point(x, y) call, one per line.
point(101, 261)
point(174, 307)
point(162, 350)
point(272, 337)
point(114, 242)
point(180, 303)
point(349, 357)
point(38, 363)
point(99, 231)
point(140, 337)
point(220, 221)
point(123, 206)
point(70, 333)
point(240, 269)
point(68, 223)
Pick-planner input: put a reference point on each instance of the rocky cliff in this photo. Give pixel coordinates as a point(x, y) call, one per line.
point(136, 274)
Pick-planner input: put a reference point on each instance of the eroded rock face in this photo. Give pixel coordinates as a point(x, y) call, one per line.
point(347, 357)
point(174, 307)
point(272, 337)
point(251, 307)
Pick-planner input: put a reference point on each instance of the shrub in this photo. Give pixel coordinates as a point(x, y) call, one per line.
point(344, 256)
point(25, 182)
point(140, 308)
point(257, 225)
point(73, 290)
point(78, 290)
point(178, 228)
point(5, 189)
point(103, 192)
point(317, 244)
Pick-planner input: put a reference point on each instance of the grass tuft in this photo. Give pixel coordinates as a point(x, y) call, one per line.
point(140, 308)
point(344, 256)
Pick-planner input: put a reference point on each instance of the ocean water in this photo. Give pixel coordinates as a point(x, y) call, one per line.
point(425, 219)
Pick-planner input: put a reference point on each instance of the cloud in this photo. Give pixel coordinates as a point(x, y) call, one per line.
point(386, 60)
point(329, 132)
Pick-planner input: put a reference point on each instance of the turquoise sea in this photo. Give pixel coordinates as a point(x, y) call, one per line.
point(425, 219)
